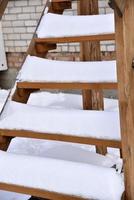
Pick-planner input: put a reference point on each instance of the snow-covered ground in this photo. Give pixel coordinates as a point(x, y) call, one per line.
point(61, 150)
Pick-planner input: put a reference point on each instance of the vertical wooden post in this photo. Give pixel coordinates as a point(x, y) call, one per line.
point(125, 72)
point(90, 51)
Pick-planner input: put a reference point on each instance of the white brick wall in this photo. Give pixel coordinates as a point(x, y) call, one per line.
point(20, 20)
point(19, 23)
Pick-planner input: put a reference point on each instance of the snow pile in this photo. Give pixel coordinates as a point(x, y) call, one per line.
point(53, 25)
point(44, 70)
point(63, 151)
point(79, 179)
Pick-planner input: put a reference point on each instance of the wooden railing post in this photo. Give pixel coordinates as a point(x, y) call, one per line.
point(90, 51)
point(125, 72)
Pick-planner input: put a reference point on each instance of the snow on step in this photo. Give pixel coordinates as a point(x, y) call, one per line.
point(61, 150)
point(96, 124)
point(79, 179)
point(44, 70)
point(65, 101)
point(54, 25)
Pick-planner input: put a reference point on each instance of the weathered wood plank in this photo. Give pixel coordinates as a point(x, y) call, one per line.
point(24, 89)
point(62, 85)
point(125, 55)
point(90, 51)
point(104, 37)
point(61, 137)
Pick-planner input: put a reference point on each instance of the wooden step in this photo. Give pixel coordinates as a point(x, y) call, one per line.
point(39, 73)
point(58, 179)
point(78, 126)
point(55, 28)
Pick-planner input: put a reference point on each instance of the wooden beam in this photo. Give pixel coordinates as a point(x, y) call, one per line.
point(3, 5)
point(61, 137)
point(100, 37)
point(125, 71)
point(63, 85)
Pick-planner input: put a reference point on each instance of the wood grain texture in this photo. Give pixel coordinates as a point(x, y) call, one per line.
point(68, 86)
point(125, 55)
point(24, 89)
point(61, 137)
point(90, 51)
point(104, 37)
point(121, 5)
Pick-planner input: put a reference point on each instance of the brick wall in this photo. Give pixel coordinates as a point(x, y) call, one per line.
point(19, 23)
point(21, 18)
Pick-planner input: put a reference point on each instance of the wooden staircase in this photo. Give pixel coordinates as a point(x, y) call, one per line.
point(39, 47)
